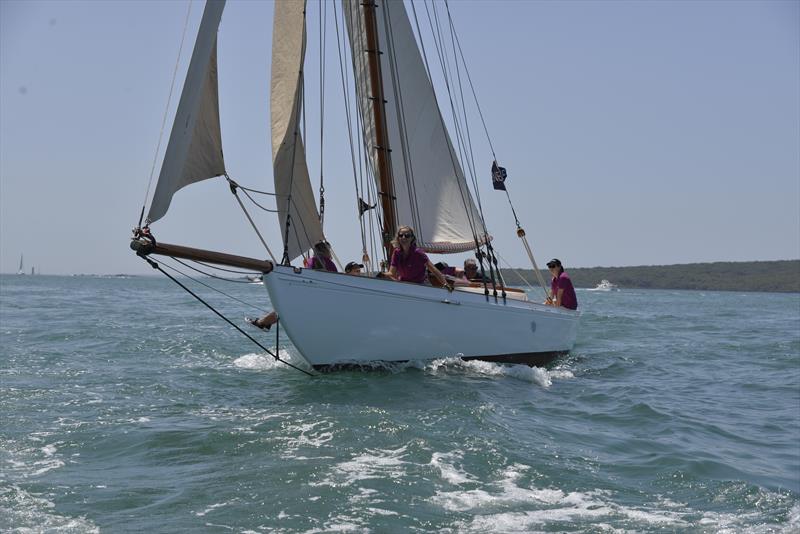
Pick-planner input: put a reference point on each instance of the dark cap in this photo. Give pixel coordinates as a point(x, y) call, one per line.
point(352, 265)
point(555, 262)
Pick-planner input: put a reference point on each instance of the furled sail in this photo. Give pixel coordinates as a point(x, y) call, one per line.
point(295, 197)
point(194, 152)
point(429, 185)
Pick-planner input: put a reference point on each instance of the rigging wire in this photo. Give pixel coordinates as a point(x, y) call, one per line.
point(515, 271)
point(471, 86)
point(155, 265)
point(166, 112)
point(233, 187)
point(443, 62)
point(520, 231)
point(322, 31)
point(262, 310)
point(243, 188)
point(234, 271)
point(360, 166)
point(247, 194)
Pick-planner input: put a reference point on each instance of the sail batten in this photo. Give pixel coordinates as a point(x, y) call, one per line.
point(194, 152)
point(297, 209)
point(430, 189)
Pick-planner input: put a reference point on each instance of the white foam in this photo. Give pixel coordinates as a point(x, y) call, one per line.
point(314, 434)
point(22, 512)
point(554, 506)
point(536, 375)
point(793, 520)
point(374, 464)
point(450, 473)
point(214, 507)
point(265, 362)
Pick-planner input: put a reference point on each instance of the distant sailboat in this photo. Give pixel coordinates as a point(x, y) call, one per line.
point(32, 271)
point(21, 270)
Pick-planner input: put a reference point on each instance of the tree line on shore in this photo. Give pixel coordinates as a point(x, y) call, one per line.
point(771, 276)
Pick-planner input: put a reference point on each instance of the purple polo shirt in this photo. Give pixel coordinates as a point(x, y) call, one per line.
point(568, 299)
point(314, 263)
point(410, 268)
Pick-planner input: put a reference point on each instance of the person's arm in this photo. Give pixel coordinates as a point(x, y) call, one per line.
point(559, 295)
point(392, 272)
point(439, 276)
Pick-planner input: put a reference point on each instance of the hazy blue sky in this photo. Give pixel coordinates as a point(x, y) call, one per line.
point(633, 132)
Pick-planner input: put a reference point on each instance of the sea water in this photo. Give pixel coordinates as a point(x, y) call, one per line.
point(126, 406)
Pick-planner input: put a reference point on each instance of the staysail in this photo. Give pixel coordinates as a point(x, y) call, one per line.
point(294, 195)
point(194, 152)
point(428, 182)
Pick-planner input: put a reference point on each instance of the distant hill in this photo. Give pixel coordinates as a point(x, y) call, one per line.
point(773, 276)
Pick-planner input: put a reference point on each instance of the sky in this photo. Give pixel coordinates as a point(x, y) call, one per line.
point(634, 133)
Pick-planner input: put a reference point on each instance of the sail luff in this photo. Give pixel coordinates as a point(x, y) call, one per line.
point(194, 152)
point(297, 209)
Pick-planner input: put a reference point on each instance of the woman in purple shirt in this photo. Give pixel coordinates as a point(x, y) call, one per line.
point(321, 260)
point(408, 263)
point(561, 289)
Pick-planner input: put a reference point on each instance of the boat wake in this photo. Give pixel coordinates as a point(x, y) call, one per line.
point(536, 375)
point(265, 362)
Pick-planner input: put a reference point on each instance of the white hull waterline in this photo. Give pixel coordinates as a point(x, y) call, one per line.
point(336, 319)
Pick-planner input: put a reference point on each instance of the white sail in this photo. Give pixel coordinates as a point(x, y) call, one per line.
point(194, 152)
point(295, 197)
point(431, 191)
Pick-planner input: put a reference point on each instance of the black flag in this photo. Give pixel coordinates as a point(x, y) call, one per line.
point(498, 177)
point(363, 206)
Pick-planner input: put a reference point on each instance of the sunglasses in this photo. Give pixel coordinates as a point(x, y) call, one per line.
point(409, 236)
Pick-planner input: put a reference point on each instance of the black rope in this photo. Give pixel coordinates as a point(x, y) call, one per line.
point(243, 188)
point(235, 271)
point(256, 203)
point(154, 265)
point(195, 280)
point(209, 274)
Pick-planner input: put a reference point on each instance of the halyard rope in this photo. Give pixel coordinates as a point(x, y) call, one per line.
point(166, 111)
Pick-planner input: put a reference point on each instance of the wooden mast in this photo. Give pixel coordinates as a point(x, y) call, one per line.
point(385, 181)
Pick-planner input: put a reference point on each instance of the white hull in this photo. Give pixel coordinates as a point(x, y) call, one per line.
point(335, 318)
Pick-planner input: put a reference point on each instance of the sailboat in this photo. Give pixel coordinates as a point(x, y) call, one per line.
point(416, 178)
point(21, 269)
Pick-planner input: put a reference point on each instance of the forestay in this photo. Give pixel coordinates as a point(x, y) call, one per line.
point(430, 188)
point(194, 152)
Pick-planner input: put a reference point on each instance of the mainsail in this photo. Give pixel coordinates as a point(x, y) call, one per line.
point(294, 195)
point(194, 152)
point(428, 182)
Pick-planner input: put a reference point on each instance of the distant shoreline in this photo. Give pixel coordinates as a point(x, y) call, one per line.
point(780, 276)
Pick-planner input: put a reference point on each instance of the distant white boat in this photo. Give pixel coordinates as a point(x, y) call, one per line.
point(21, 270)
point(604, 285)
